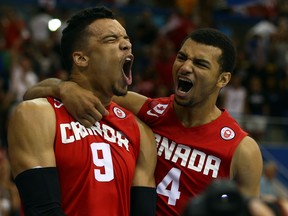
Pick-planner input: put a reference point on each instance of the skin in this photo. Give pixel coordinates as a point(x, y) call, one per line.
point(197, 63)
point(31, 142)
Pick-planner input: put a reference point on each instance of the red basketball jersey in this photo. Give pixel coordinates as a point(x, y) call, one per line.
point(189, 159)
point(96, 165)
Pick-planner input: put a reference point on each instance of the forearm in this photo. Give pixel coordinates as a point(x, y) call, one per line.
point(143, 201)
point(47, 87)
point(39, 190)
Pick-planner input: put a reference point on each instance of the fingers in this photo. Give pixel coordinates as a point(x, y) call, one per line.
point(88, 120)
point(85, 123)
point(98, 112)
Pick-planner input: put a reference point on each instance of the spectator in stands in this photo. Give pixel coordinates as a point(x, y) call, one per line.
point(270, 187)
point(22, 76)
point(233, 98)
point(9, 197)
point(257, 108)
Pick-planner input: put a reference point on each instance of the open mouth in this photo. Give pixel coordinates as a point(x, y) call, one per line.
point(126, 69)
point(127, 66)
point(184, 85)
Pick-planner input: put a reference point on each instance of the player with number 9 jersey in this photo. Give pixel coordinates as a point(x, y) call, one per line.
point(188, 158)
point(96, 165)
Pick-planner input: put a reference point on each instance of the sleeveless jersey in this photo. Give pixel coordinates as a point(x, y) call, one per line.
point(96, 165)
point(189, 159)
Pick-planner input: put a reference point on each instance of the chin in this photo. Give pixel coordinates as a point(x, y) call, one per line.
point(120, 92)
point(182, 102)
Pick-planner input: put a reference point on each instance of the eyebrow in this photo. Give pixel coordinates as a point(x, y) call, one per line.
point(201, 60)
point(114, 35)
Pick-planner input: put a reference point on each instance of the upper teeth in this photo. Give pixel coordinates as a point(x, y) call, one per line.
point(186, 80)
point(128, 59)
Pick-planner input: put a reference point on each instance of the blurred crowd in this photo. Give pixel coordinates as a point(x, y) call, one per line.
point(29, 52)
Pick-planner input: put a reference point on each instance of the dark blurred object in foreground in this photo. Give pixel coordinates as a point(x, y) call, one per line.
point(221, 198)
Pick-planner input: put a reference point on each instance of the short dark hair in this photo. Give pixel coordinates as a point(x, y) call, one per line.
point(214, 37)
point(76, 32)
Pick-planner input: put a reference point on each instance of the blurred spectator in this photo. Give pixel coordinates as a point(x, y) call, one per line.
point(270, 187)
point(177, 28)
point(144, 83)
point(6, 99)
point(279, 44)
point(145, 32)
point(9, 197)
point(257, 108)
point(257, 49)
point(22, 77)
point(273, 92)
point(47, 59)
point(14, 29)
point(234, 98)
point(163, 56)
point(38, 25)
point(186, 6)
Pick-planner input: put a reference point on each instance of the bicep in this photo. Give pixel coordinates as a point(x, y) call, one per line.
point(146, 163)
point(31, 132)
point(132, 101)
point(247, 167)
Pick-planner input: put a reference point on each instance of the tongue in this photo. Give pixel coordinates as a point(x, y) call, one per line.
point(129, 78)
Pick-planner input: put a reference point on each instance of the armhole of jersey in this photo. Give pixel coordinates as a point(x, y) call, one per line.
point(143, 109)
point(138, 136)
point(51, 100)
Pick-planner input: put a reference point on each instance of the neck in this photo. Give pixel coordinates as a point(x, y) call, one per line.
point(196, 116)
point(84, 83)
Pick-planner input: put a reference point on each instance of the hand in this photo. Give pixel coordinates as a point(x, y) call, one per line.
point(82, 104)
point(258, 208)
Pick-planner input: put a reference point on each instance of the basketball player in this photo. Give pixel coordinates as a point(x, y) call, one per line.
point(196, 141)
point(93, 169)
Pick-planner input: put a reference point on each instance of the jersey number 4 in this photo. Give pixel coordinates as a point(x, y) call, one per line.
point(103, 160)
point(169, 186)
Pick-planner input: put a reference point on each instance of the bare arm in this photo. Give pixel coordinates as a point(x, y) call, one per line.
point(82, 104)
point(246, 167)
point(143, 190)
point(47, 87)
point(132, 101)
point(146, 163)
point(31, 134)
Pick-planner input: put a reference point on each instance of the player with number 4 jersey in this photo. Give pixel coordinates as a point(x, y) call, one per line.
point(188, 158)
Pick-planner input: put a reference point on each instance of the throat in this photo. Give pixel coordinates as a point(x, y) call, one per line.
point(190, 117)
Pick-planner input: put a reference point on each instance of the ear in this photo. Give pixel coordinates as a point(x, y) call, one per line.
point(223, 79)
point(80, 59)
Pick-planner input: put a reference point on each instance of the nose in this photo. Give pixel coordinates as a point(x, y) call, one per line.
point(125, 44)
point(186, 67)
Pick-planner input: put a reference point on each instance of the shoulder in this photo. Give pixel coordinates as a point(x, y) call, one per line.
point(30, 106)
point(32, 112)
point(247, 157)
point(142, 126)
point(248, 146)
point(146, 134)
point(247, 150)
point(31, 133)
